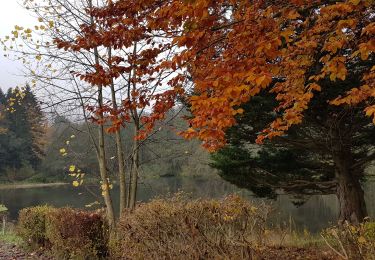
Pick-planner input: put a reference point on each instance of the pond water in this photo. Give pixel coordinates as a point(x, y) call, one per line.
point(318, 212)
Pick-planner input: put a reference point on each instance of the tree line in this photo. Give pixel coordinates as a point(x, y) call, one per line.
point(30, 146)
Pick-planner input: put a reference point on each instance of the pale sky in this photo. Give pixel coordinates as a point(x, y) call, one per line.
point(11, 14)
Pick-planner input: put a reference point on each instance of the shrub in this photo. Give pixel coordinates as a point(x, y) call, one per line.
point(352, 242)
point(175, 228)
point(76, 234)
point(32, 226)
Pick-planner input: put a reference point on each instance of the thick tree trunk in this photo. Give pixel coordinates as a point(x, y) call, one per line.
point(349, 191)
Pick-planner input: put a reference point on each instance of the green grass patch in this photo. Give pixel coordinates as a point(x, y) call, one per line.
point(10, 238)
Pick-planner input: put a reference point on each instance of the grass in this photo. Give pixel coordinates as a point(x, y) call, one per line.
point(286, 237)
point(10, 238)
point(303, 240)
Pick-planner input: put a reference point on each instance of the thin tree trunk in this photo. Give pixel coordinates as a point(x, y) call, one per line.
point(103, 168)
point(119, 148)
point(129, 188)
point(135, 151)
point(349, 191)
point(121, 172)
point(135, 166)
point(101, 155)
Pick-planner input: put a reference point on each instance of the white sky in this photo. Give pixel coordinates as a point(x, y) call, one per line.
point(11, 14)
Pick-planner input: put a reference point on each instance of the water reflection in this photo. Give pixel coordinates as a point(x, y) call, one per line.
point(316, 213)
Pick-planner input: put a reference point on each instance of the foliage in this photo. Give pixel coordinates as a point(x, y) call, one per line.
point(66, 232)
point(236, 50)
point(32, 226)
point(169, 228)
point(76, 234)
point(352, 242)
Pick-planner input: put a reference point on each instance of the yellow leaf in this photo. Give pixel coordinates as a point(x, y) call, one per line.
point(62, 150)
point(38, 57)
point(75, 183)
point(72, 168)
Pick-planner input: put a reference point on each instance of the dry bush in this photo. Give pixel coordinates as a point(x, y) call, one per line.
point(352, 242)
point(32, 226)
point(76, 234)
point(176, 228)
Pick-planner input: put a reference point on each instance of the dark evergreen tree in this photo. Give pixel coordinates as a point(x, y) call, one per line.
point(3, 131)
point(300, 162)
point(22, 143)
point(37, 124)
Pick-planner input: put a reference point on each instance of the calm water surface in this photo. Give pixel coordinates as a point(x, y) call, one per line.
point(316, 213)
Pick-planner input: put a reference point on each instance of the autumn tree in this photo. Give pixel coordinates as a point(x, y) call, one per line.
point(134, 53)
point(71, 79)
point(232, 50)
point(50, 71)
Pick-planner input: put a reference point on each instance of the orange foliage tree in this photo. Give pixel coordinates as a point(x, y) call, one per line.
point(135, 58)
point(231, 50)
point(298, 50)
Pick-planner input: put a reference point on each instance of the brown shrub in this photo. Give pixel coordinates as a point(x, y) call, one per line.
point(176, 228)
point(352, 242)
point(76, 234)
point(32, 226)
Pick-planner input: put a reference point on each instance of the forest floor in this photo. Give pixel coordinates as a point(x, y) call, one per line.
point(10, 251)
point(297, 253)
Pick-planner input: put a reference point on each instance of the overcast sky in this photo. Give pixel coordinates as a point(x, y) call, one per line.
point(11, 14)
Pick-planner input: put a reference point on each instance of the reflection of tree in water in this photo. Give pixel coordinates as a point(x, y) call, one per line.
point(318, 212)
point(198, 187)
point(369, 188)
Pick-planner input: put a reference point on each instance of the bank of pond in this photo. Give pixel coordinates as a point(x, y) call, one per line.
point(178, 227)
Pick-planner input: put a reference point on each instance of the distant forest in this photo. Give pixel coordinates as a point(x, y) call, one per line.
point(34, 149)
